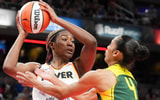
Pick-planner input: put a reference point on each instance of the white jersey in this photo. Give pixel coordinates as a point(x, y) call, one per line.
point(67, 74)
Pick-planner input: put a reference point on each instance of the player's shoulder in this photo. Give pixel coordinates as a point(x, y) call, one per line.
point(103, 72)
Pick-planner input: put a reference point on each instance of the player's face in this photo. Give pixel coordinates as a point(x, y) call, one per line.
point(109, 53)
point(64, 45)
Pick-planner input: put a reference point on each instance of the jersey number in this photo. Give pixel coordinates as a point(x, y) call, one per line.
point(131, 86)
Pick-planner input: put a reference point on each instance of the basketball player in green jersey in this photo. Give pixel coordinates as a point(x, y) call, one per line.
point(113, 83)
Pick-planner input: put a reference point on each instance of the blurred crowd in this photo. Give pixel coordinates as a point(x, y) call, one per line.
point(120, 11)
point(10, 89)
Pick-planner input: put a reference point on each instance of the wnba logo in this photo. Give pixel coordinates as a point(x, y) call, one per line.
point(36, 18)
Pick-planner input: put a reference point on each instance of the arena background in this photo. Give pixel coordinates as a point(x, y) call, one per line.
point(105, 19)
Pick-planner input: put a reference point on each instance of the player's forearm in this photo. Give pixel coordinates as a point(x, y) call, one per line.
point(82, 35)
point(85, 97)
point(13, 55)
point(49, 89)
point(89, 95)
point(57, 82)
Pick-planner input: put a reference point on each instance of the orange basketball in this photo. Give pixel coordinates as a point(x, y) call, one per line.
point(32, 18)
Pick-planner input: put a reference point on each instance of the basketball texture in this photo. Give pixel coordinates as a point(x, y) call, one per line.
point(32, 18)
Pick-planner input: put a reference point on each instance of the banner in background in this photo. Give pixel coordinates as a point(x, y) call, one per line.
point(112, 30)
point(52, 26)
point(7, 17)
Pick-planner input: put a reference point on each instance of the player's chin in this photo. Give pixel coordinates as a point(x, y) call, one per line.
point(69, 55)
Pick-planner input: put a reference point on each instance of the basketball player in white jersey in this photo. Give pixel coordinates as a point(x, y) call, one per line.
point(60, 48)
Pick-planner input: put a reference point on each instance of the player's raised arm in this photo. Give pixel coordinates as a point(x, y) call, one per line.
point(11, 65)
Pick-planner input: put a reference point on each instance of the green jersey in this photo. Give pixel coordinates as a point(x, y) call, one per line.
point(124, 89)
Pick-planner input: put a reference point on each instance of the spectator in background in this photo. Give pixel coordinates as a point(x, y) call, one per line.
point(101, 12)
point(74, 12)
point(2, 4)
point(9, 90)
point(25, 94)
point(152, 95)
point(152, 14)
point(111, 12)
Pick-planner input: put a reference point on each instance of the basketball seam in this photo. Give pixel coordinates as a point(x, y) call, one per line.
point(20, 17)
point(42, 20)
point(31, 17)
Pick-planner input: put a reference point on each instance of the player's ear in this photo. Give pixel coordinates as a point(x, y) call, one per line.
point(117, 54)
point(51, 44)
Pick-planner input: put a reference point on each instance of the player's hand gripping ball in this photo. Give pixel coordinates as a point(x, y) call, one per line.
point(32, 18)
